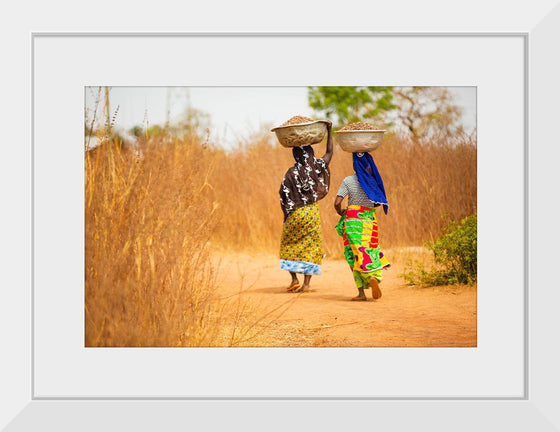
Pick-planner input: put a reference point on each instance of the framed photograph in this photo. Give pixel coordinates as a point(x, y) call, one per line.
point(506, 380)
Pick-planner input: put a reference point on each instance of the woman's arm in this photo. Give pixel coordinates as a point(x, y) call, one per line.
point(328, 155)
point(338, 205)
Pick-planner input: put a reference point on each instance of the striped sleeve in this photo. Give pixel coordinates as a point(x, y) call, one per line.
point(343, 190)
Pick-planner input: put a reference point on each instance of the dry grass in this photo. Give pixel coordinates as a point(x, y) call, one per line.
point(423, 182)
point(148, 281)
point(149, 278)
point(150, 224)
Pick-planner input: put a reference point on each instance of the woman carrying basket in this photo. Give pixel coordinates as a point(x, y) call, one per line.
point(358, 224)
point(303, 185)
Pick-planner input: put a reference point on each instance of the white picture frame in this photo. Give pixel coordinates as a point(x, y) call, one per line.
point(534, 409)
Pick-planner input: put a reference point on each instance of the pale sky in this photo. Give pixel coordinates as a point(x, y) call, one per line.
point(235, 111)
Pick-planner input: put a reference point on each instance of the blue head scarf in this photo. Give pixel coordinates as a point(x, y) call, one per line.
point(370, 179)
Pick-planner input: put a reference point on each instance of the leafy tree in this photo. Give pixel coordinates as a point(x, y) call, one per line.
point(155, 130)
point(420, 112)
point(352, 104)
point(194, 121)
point(191, 123)
point(426, 112)
point(136, 130)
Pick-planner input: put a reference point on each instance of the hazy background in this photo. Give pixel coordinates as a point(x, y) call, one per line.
point(234, 113)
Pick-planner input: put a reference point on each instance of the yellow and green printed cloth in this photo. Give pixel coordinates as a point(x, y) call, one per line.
point(358, 227)
point(301, 245)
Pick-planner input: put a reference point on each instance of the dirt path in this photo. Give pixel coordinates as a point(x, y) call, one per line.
point(405, 316)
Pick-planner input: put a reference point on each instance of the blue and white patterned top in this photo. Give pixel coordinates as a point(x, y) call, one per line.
point(356, 196)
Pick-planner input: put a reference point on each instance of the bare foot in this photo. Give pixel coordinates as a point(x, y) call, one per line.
point(359, 298)
point(375, 291)
point(293, 286)
point(303, 288)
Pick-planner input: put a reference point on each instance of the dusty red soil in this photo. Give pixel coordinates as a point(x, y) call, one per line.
point(405, 316)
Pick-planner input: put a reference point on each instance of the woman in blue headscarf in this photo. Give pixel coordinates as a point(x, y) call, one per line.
point(358, 224)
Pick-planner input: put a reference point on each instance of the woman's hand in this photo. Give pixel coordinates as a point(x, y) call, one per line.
point(329, 130)
point(338, 205)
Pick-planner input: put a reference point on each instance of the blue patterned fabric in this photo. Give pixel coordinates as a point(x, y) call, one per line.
point(306, 268)
point(370, 179)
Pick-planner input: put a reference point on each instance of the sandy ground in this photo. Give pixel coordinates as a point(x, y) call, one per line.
point(405, 316)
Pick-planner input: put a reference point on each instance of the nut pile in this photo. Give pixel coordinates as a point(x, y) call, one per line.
point(358, 126)
point(297, 120)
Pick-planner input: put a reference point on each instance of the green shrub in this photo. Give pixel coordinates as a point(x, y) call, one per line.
point(454, 254)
